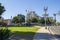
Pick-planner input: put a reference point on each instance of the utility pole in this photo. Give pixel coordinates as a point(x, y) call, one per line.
point(54, 18)
point(25, 17)
point(11, 19)
point(45, 10)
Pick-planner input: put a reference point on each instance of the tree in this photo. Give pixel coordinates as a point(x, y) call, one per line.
point(34, 20)
point(4, 34)
point(18, 19)
point(42, 21)
point(2, 9)
point(21, 18)
point(32, 17)
point(14, 20)
point(48, 21)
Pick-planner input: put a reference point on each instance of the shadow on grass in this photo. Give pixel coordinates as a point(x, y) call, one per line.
point(31, 35)
point(22, 35)
point(17, 26)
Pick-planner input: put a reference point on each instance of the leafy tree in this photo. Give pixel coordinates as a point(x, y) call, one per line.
point(2, 9)
point(48, 21)
point(35, 19)
point(42, 20)
point(4, 34)
point(18, 19)
point(32, 17)
point(21, 18)
point(14, 20)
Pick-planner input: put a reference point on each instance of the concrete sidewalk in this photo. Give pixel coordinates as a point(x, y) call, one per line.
point(44, 34)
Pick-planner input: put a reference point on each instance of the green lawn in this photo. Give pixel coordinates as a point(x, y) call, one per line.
point(23, 29)
point(23, 32)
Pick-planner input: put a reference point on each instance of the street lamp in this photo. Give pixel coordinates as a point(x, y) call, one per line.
point(25, 17)
point(45, 10)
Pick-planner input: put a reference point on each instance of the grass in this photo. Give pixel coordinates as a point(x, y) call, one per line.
point(22, 29)
point(23, 32)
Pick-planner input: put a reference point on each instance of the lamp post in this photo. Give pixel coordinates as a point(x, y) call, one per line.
point(25, 18)
point(45, 10)
point(11, 18)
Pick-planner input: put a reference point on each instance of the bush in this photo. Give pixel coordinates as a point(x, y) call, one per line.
point(28, 24)
point(4, 34)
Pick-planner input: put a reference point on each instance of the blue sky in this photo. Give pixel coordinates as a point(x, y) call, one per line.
point(14, 7)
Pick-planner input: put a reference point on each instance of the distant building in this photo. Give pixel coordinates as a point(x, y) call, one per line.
point(1, 20)
point(7, 21)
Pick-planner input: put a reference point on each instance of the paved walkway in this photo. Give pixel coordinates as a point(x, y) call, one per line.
point(44, 34)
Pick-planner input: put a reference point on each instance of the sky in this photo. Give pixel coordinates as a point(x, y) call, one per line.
point(14, 7)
